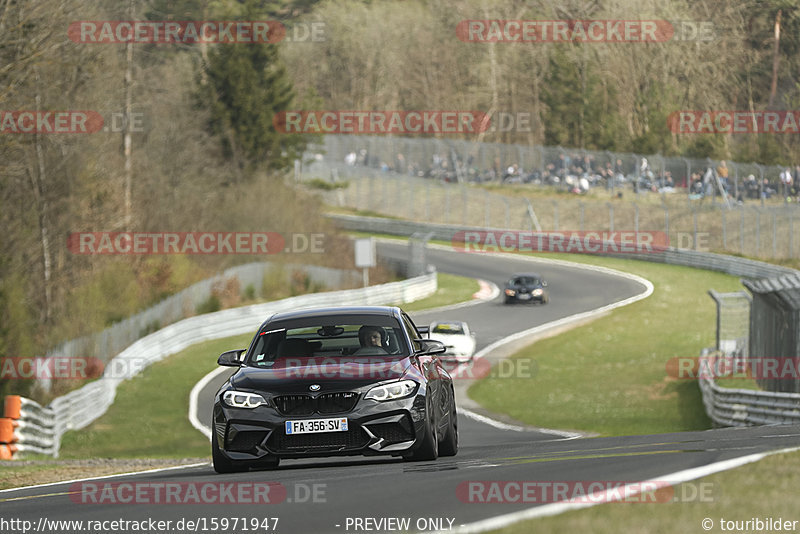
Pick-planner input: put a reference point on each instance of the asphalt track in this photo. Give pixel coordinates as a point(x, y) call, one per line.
point(364, 494)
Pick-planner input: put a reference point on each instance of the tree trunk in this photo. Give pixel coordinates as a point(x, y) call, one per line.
point(38, 179)
point(126, 128)
point(775, 59)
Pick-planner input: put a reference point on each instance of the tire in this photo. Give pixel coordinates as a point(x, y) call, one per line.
point(449, 444)
point(429, 448)
point(222, 464)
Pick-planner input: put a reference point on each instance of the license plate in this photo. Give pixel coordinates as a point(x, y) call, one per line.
point(524, 296)
point(315, 426)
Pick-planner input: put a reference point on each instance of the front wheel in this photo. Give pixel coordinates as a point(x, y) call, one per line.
point(429, 448)
point(449, 444)
point(222, 464)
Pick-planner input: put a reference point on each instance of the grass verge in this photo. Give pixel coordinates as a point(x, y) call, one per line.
point(452, 289)
point(610, 376)
point(738, 495)
point(149, 416)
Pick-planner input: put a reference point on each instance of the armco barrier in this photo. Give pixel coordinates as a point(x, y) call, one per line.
point(744, 407)
point(688, 258)
point(27, 427)
point(731, 407)
point(39, 429)
point(111, 341)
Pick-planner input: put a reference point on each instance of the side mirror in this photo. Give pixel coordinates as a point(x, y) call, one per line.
point(230, 358)
point(431, 346)
point(424, 330)
point(544, 283)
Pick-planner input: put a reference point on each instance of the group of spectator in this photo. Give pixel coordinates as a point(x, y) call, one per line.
point(711, 180)
point(580, 173)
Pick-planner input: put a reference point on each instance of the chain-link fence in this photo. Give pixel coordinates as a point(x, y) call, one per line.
point(438, 181)
point(569, 169)
point(775, 332)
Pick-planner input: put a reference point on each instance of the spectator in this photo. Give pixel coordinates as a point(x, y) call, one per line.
point(722, 174)
point(696, 189)
point(667, 183)
point(751, 186)
point(786, 182)
point(767, 190)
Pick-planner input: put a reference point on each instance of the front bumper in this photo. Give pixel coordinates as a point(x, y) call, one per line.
point(374, 428)
point(526, 297)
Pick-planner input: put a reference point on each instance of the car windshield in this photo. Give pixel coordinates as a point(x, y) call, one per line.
point(447, 328)
point(525, 281)
point(328, 337)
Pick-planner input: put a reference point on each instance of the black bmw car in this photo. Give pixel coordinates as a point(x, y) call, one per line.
point(526, 287)
point(330, 382)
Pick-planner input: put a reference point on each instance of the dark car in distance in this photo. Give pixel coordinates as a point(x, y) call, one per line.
point(331, 382)
point(526, 287)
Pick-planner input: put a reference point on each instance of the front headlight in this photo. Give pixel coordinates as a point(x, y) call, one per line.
point(242, 399)
point(537, 292)
point(396, 390)
point(510, 292)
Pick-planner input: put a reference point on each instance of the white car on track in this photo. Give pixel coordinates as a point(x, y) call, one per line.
point(457, 338)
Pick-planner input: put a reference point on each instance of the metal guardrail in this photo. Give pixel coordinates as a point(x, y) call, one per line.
point(39, 429)
point(744, 407)
point(111, 341)
point(27, 427)
point(689, 258)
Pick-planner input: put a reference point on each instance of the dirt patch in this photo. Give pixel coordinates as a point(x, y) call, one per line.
point(19, 473)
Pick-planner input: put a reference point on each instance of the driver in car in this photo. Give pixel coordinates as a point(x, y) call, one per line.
point(372, 339)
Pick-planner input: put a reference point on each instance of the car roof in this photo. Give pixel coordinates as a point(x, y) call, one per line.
point(534, 275)
point(387, 311)
point(449, 322)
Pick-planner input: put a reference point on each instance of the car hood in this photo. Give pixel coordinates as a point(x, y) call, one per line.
point(296, 375)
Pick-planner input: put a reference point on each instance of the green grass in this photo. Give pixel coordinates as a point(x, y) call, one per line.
point(451, 290)
point(610, 376)
point(149, 416)
point(757, 490)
